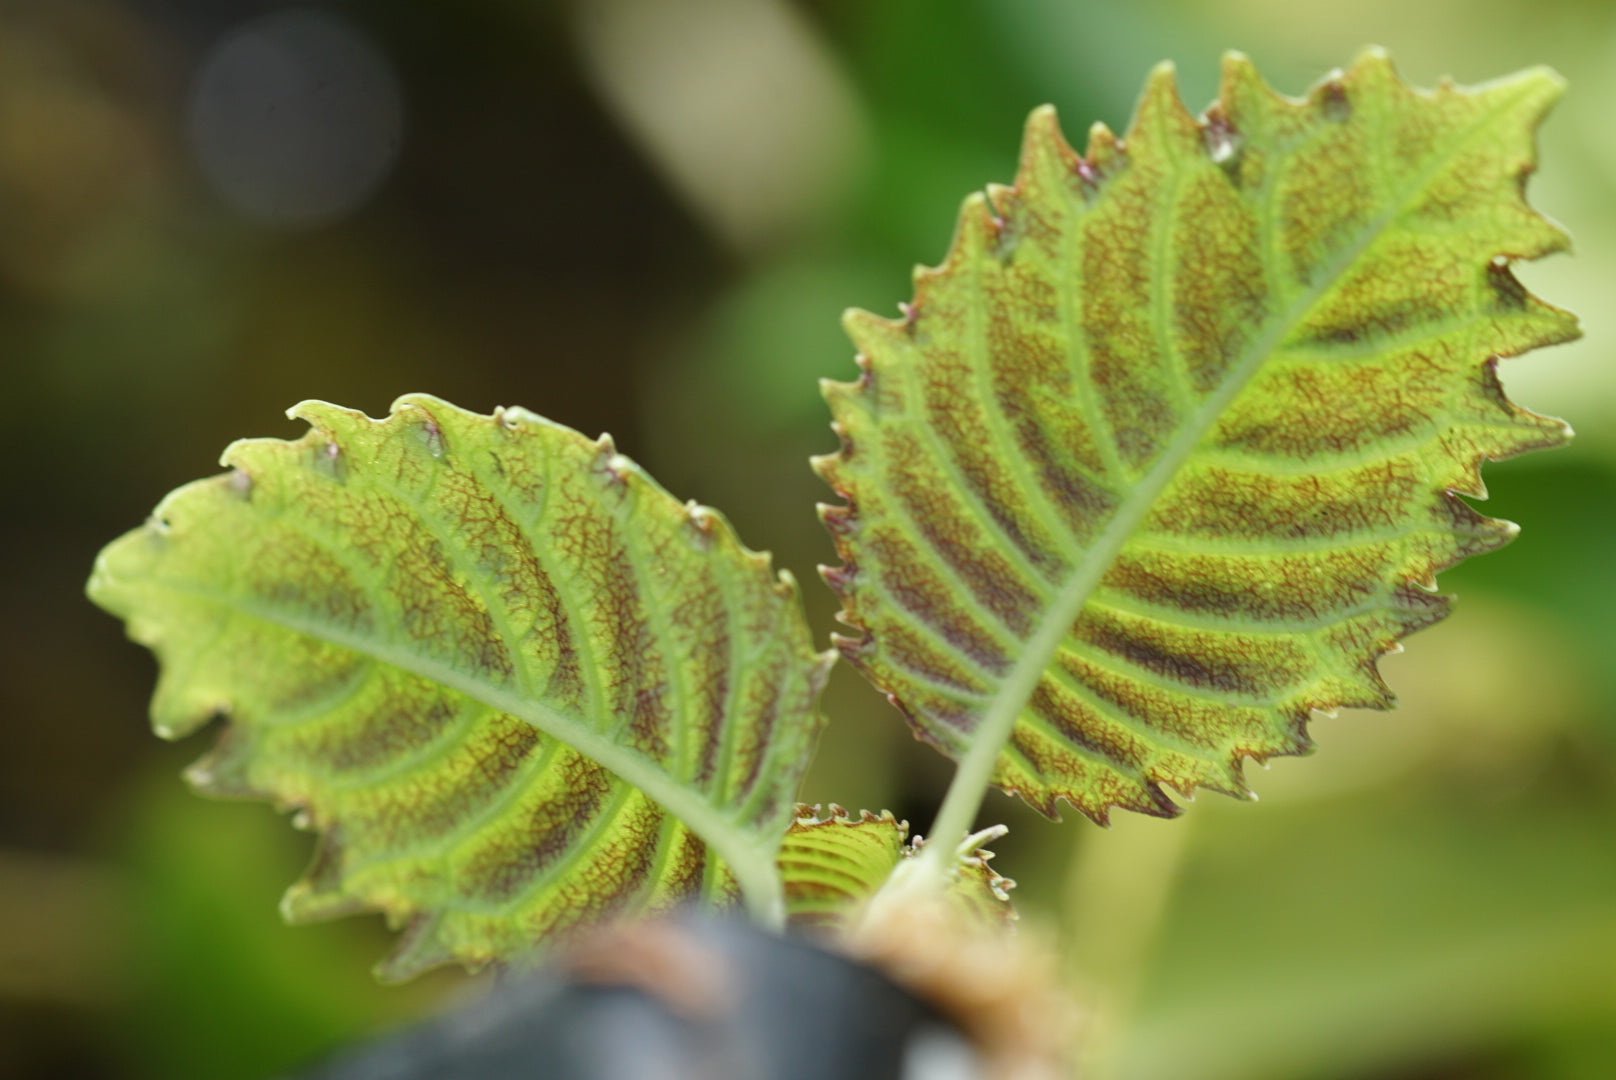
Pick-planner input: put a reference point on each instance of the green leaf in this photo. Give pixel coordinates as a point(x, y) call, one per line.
point(511, 681)
point(1168, 451)
point(832, 865)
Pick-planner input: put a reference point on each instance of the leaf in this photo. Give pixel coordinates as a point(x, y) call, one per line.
point(511, 681)
point(831, 865)
point(1168, 451)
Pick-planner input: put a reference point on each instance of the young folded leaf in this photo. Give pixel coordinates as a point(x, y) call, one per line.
point(510, 680)
point(1167, 452)
point(832, 865)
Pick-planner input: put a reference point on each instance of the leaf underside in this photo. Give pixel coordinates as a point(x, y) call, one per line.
point(832, 864)
point(1184, 422)
point(445, 638)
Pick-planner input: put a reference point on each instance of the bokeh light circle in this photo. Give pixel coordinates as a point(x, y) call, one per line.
point(296, 118)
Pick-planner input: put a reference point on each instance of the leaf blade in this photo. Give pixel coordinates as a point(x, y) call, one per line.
point(513, 682)
point(1051, 463)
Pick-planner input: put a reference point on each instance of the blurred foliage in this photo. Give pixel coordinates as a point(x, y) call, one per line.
point(204, 946)
point(1430, 897)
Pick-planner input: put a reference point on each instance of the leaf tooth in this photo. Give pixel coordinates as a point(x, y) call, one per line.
point(842, 581)
point(1241, 88)
point(854, 649)
point(318, 895)
point(1356, 684)
point(1539, 89)
point(1523, 431)
point(1373, 68)
point(1232, 783)
point(834, 468)
point(850, 402)
point(1373, 685)
point(1473, 533)
point(977, 232)
point(874, 334)
point(1146, 798)
point(305, 903)
point(841, 578)
point(1544, 324)
point(422, 948)
point(176, 710)
point(1162, 126)
point(840, 520)
point(1152, 799)
point(404, 404)
point(1046, 157)
point(1043, 799)
point(325, 417)
point(827, 468)
point(1104, 152)
point(223, 771)
point(1294, 737)
point(1463, 478)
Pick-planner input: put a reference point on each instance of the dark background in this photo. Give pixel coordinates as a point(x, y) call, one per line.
point(644, 216)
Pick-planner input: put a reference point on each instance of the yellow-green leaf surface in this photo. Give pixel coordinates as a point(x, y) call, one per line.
point(832, 864)
point(513, 683)
point(1167, 452)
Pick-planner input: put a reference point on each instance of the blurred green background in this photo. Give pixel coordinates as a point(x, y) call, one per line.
point(644, 216)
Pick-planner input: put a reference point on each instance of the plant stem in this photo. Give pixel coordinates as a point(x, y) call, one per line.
point(762, 889)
